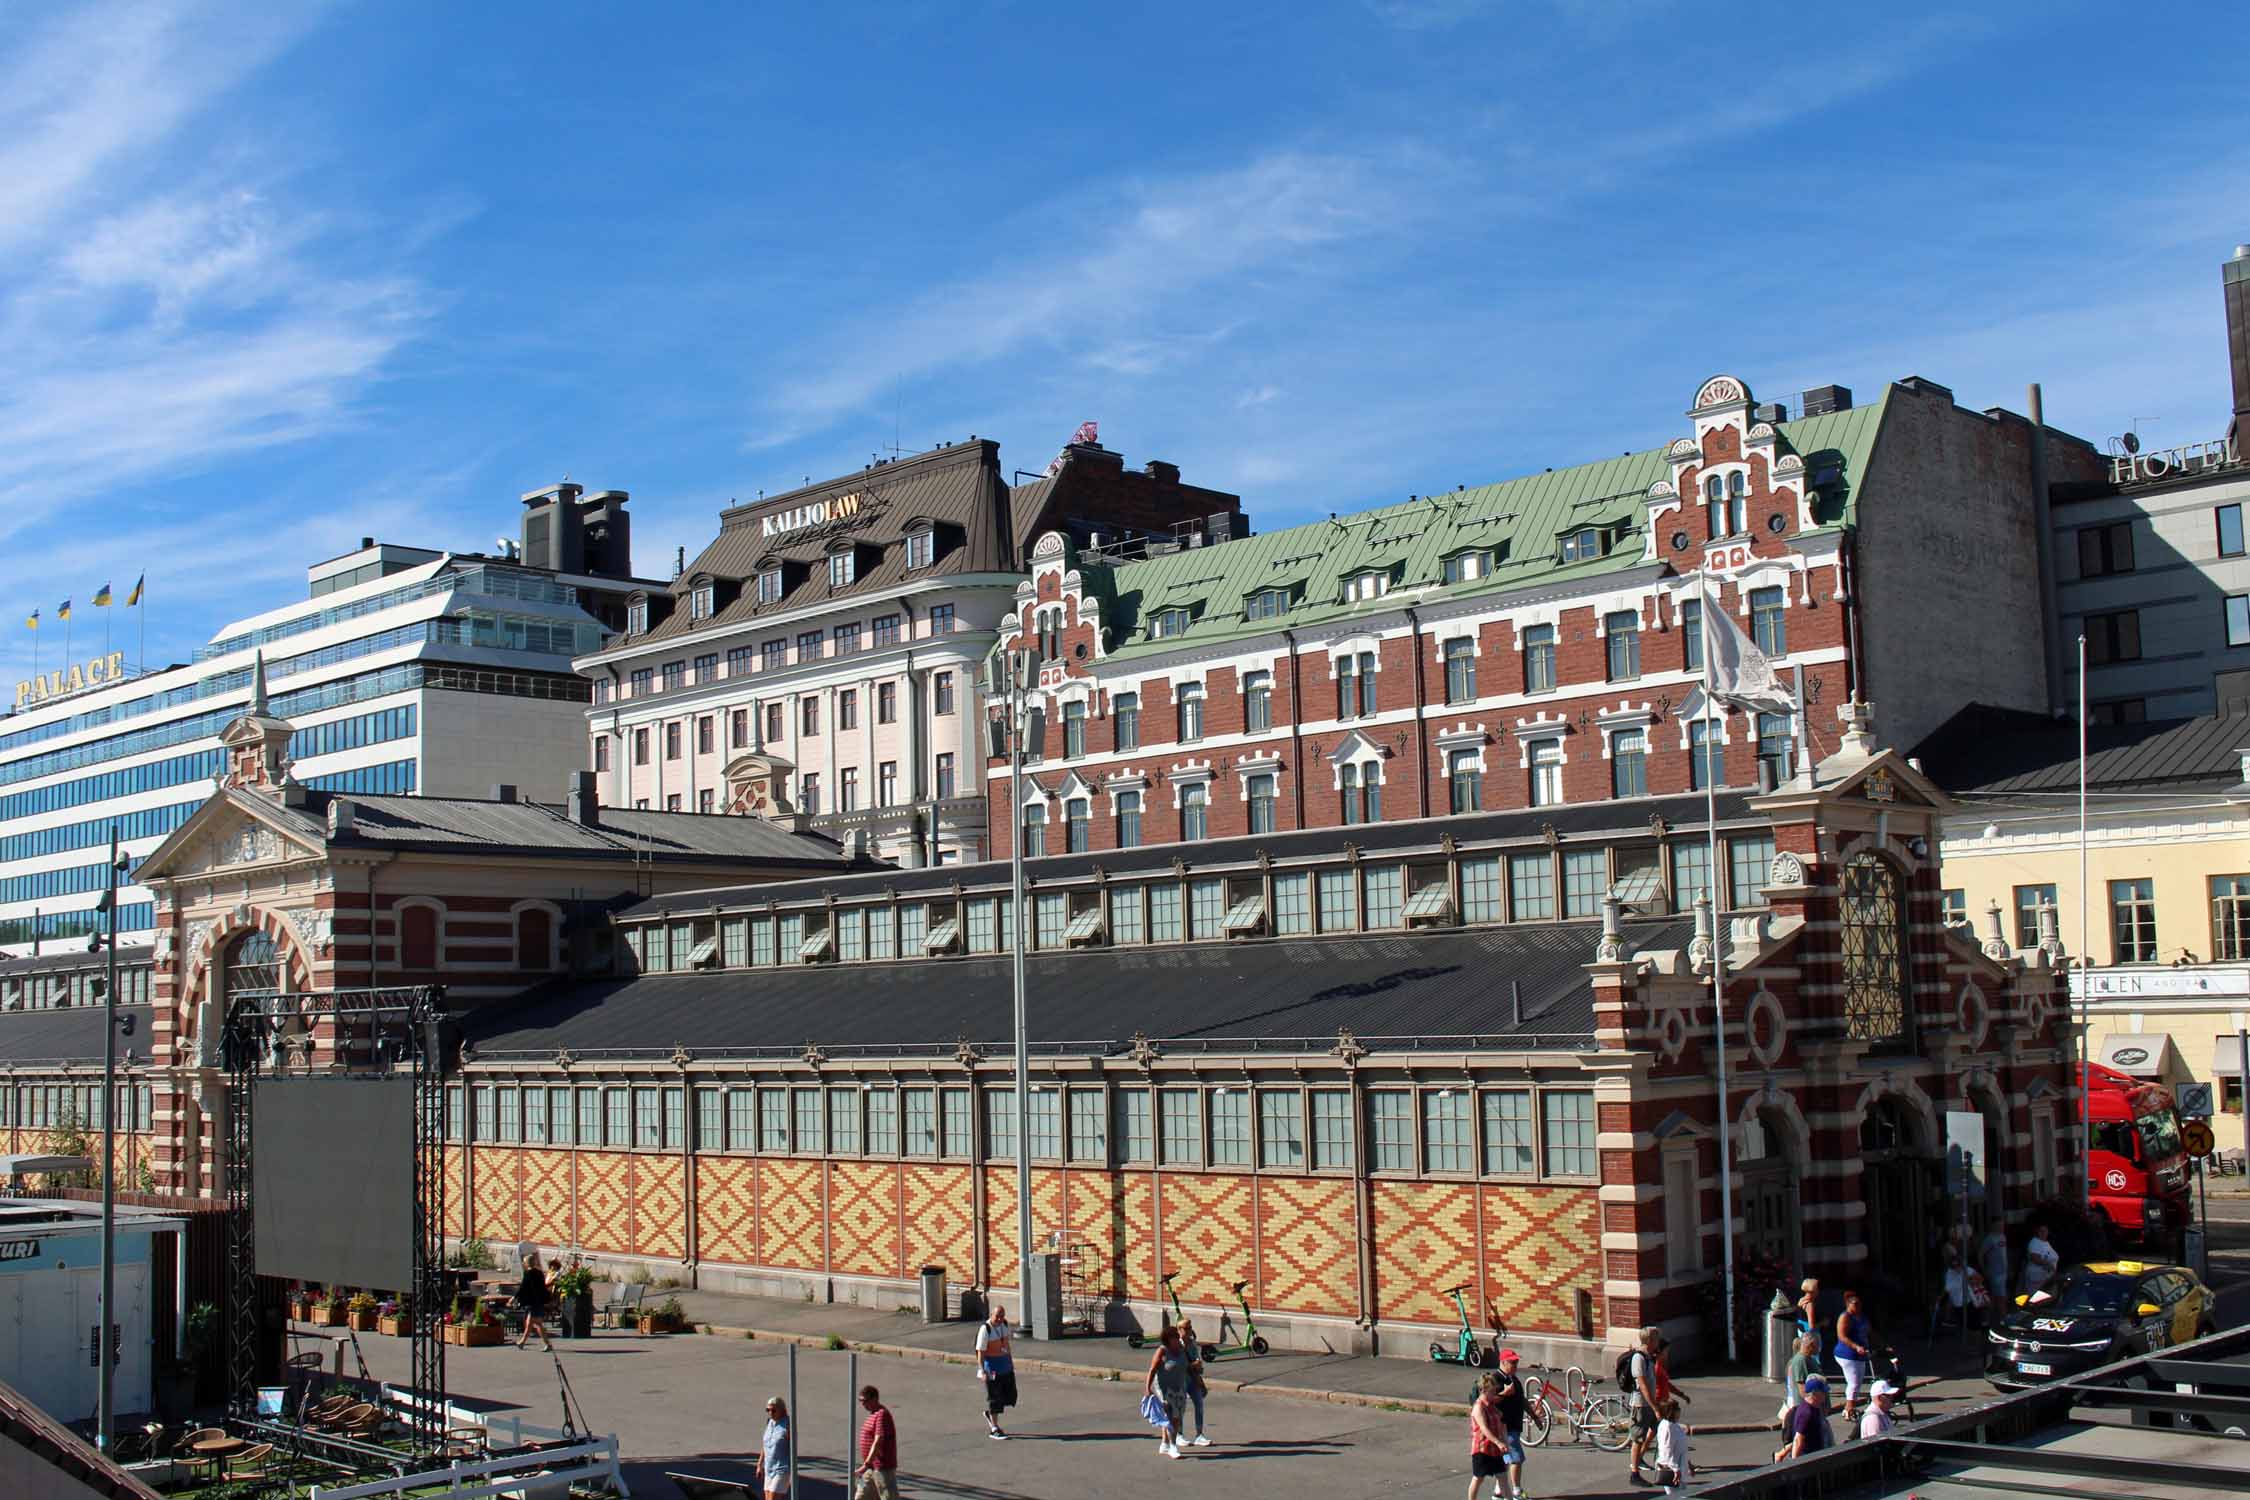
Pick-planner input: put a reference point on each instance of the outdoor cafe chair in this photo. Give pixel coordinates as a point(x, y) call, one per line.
point(244, 1465)
point(626, 1302)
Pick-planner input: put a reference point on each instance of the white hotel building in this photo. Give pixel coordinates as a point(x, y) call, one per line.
point(826, 643)
point(403, 670)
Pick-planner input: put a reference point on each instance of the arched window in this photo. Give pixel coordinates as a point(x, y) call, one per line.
point(253, 966)
point(535, 939)
point(1875, 981)
point(417, 938)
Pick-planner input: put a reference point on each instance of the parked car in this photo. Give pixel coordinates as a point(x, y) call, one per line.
point(2095, 1314)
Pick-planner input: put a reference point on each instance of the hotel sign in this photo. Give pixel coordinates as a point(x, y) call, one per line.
point(2174, 463)
point(76, 678)
point(814, 513)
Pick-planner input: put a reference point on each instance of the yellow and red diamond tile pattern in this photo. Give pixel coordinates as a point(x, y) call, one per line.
point(659, 1207)
point(937, 1227)
point(605, 1201)
point(547, 1198)
point(863, 1223)
point(1541, 1245)
point(726, 1209)
point(1209, 1240)
point(1305, 1234)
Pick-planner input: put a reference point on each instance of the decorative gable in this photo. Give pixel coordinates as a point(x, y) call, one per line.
point(1734, 495)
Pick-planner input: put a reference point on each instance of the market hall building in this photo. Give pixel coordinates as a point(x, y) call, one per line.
point(1350, 1073)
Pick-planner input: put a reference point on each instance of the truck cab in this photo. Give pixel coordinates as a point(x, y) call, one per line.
point(2136, 1169)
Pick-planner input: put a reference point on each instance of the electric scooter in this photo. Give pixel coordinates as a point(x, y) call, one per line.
point(1137, 1339)
point(1467, 1348)
point(1252, 1342)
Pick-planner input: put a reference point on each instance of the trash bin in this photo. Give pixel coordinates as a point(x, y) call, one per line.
point(2195, 1252)
point(1781, 1336)
point(933, 1294)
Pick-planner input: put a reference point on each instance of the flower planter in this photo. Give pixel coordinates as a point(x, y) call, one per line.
point(301, 1312)
point(397, 1328)
point(475, 1335)
point(658, 1323)
point(362, 1322)
point(328, 1317)
point(578, 1315)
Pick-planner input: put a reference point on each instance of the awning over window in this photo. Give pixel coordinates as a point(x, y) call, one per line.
point(1432, 903)
point(2144, 1054)
point(820, 945)
point(704, 952)
point(943, 937)
point(1085, 927)
point(2226, 1057)
point(1245, 915)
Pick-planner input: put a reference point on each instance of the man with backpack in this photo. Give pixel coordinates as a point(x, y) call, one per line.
point(1636, 1377)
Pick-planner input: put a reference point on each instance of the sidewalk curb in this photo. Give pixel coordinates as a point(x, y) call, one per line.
point(1418, 1404)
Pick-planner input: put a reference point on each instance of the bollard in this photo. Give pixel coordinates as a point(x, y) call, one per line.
point(851, 1422)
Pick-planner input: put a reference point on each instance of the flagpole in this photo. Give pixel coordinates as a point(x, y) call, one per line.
point(1718, 980)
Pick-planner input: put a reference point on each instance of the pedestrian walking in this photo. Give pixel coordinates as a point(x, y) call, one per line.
point(1488, 1440)
point(1642, 1398)
point(1855, 1351)
point(531, 1299)
point(2040, 1262)
point(1992, 1255)
point(1878, 1418)
point(1673, 1471)
point(1803, 1365)
point(996, 1367)
point(1808, 1306)
point(1512, 1402)
point(1164, 1394)
point(876, 1475)
point(1198, 1389)
point(1807, 1429)
point(774, 1456)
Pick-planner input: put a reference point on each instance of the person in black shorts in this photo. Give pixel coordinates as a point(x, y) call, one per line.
point(1488, 1439)
point(531, 1297)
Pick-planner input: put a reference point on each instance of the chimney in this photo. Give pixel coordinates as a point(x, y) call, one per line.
point(340, 815)
point(2234, 281)
point(1824, 399)
point(585, 805)
point(503, 791)
point(1162, 472)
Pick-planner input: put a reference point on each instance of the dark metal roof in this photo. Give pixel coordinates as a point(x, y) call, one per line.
point(959, 486)
point(1441, 987)
point(534, 828)
point(1605, 821)
point(48, 1446)
point(70, 1034)
point(1994, 751)
point(49, 963)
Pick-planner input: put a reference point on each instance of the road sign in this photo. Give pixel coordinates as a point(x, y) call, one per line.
point(2194, 1100)
point(2196, 1138)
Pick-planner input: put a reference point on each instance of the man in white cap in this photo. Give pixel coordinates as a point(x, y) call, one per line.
point(1877, 1421)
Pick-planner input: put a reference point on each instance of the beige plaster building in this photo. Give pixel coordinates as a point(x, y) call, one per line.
point(2165, 922)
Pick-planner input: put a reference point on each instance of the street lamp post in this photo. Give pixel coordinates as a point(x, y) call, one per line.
point(1022, 671)
point(104, 1357)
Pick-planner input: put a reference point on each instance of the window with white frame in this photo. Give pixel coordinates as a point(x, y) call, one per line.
point(1195, 809)
point(1567, 1132)
point(769, 586)
point(1359, 789)
point(1546, 766)
point(1621, 631)
point(921, 547)
point(1355, 684)
point(1128, 816)
point(1390, 1129)
point(1507, 1133)
point(1531, 887)
point(1539, 658)
point(1464, 775)
point(843, 567)
point(1260, 792)
point(1331, 1129)
point(1466, 567)
point(1230, 1126)
point(1181, 1144)
point(1281, 1127)
point(1372, 583)
point(1628, 763)
point(1257, 701)
point(1460, 670)
point(1447, 1145)
point(1089, 1126)
point(699, 602)
point(1190, 705)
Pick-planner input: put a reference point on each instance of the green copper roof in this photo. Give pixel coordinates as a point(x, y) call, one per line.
point(1518, 521)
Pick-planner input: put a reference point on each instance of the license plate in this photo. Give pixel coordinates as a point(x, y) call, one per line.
point(2026, 1367)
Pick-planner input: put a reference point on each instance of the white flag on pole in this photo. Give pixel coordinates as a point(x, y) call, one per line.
point(1739, 671)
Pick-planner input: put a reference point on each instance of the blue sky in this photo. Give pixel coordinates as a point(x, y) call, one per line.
point(273, 277)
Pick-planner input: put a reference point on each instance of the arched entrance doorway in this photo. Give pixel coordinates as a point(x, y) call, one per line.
point(1896, 1181)
point(253, 970)
point(1770, 1174)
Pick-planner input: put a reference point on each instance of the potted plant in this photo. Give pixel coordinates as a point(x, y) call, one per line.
point(361, 1312)
point(300, 1304)
point(328, 1310)
point(666, 1317)
point(395, 1318)
point(470, 1325)
point(574, 1294)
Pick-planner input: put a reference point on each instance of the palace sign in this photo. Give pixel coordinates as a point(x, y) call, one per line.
point(61, 681)
point(813, 513)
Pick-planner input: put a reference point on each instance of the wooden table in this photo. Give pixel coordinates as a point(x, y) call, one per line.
point(216, 1451)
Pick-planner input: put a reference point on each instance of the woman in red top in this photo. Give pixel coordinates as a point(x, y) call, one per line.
point(1488, 1442)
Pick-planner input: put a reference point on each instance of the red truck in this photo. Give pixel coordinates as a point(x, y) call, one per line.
point(2136, 1172)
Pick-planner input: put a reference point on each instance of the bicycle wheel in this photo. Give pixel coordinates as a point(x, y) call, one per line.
point(1536, 1420)
point(1608, 1423)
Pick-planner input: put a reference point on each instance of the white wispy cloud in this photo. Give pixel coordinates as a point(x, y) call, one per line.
point(169, 293)
point(1125, 259)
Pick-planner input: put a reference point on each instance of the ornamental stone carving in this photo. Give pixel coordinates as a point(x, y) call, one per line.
point(315, 928)
point(1786, 869)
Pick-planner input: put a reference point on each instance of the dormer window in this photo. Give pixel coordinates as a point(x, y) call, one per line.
point(1466, 567)
point(769, 585)
point(843, 567)
point(1581, 545)
point(1372, 584)
point(700, 600)
point(921, 547)
point(636, 617)
point(1727, 500)
point(1266, 604)
point(1168, 622)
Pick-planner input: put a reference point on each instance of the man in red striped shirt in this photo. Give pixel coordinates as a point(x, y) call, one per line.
point(878, 1449)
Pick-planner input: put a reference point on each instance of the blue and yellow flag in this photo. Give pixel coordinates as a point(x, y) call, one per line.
point(135, 597)
point(101, 597)
point(62, 610)
point(33, 622)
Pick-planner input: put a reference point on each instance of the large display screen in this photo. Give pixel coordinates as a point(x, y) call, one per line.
point(333, 1180)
